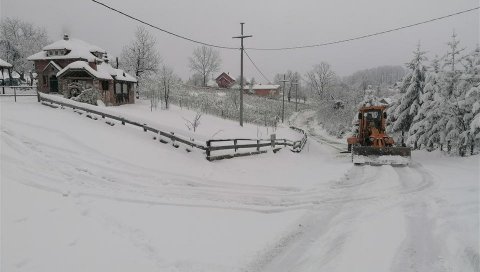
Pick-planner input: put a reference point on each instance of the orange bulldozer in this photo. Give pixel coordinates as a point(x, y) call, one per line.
point(371, 144)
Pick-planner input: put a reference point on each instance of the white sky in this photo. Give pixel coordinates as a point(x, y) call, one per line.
point(273, 23)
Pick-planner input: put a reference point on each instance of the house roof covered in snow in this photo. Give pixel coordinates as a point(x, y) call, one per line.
point(82, 65)
point(75, 49)
point(226, 76)
point(122, 75)
point(104, 71)
point(53, 64)
point(4, 64)
point(262, 87)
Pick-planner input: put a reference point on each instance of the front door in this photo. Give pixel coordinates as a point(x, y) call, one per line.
point(53, 84)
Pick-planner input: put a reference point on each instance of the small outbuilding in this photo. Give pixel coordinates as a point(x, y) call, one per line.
point(224, 80)
point(5, 71)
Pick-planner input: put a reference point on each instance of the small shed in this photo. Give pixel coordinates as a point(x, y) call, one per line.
point(5, 66)
point(224, 80)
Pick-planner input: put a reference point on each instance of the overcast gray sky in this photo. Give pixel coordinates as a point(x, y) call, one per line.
point(273, 23)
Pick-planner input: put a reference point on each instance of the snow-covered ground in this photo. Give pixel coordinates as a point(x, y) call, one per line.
point(80, 195)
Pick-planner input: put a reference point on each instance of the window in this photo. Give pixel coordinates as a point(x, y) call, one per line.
point(118, 88)
point(104, 85)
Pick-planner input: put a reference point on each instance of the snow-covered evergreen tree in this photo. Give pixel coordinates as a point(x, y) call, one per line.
point(470, 81)
point(425, 130)
point(410, 103)
point(454, 90)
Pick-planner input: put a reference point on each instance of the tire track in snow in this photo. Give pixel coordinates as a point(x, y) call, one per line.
point(420, 251)
point(86, 174)
point(365, 192)
point(285, 254)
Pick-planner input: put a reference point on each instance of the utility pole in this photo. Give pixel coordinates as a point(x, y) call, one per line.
point(283, 97)
point(241, 37)
point(295, 83)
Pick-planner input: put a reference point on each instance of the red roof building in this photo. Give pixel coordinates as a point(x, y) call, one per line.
point(224, 80)
point(262, 90)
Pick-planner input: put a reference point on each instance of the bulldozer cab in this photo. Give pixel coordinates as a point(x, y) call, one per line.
point(372, 120)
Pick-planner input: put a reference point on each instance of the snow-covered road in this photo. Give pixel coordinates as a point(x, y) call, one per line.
point(73, 199)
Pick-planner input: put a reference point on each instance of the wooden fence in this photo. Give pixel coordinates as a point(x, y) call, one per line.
point(255, 146)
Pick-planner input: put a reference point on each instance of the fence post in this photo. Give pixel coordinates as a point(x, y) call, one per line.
point(258, 145)
point(15, 94)
point(38, 96)
point(145, 127)
point(235, 144)
point(207, 150)
point(272, 139)
point(284, 142)
point(123, 121)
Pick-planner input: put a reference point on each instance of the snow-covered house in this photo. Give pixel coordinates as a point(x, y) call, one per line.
point(262, 90)
point(72, 63)
point(224, 80)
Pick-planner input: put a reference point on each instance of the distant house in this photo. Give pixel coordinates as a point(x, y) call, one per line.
point(224, 80)
point(263, 90)
point(73, 63)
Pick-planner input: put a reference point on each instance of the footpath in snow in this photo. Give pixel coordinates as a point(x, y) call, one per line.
point(104, 198)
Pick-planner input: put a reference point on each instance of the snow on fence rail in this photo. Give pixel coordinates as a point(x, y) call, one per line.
point(21, 88)
point(251, 146)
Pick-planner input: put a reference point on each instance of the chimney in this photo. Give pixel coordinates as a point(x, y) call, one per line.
point(65, 37)
point(105, 58)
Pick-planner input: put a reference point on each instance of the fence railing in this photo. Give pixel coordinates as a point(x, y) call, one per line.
point(15, 94)
point(252, 146)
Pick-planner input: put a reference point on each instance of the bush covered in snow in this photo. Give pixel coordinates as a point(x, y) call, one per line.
point(89, 96)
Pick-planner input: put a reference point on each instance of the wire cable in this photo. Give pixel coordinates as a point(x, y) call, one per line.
point(256, 67)
point(163, 30)
point(285, 48)
point(364, 36)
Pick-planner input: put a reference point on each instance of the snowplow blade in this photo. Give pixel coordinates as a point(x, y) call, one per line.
point(381, 155)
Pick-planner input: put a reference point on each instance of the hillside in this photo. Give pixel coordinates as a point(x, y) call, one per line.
point(105, 198)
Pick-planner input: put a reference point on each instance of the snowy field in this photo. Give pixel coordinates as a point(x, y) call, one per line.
point(80, 195)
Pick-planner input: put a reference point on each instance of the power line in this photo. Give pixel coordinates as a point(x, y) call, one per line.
point(364, 36)
point(256, 67)
point(161, 29)
point(286, 48)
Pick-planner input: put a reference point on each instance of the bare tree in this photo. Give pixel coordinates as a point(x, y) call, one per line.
point(18, 40)
point(140, 56)
point(168, 80)
point(195, 80)
point(321, 78)
point(194, 123)
point(204, 61)
point(152, 89)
